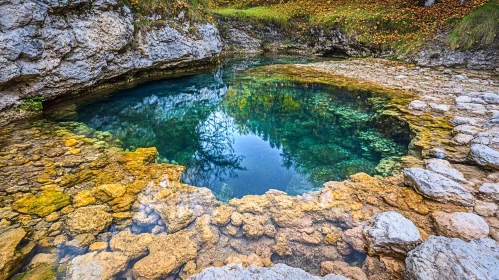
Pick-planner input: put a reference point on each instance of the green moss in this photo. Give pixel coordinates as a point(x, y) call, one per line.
point(33, 104)
point(477, 29)
point(41, 204)
point(42, 272)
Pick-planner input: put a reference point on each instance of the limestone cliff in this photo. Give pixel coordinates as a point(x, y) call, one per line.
point(53, 47)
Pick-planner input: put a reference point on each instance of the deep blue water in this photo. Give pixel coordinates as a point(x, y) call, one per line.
point(240, 135)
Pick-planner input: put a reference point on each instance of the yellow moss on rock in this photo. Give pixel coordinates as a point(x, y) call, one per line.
point(41, 204)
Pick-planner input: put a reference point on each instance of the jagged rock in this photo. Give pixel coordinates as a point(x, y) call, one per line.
point(467, 226)
point(444, 168)
point(41, 204)
point(355, 237)
point(390, 233)
point(451, 258)
point(166, 254)
point(11, 256)
point(277, 272)
point(342, 268)
point(221, 215)
point(490, 190)
point(90, 219)
point(177, 217)
point(208, 234)
point(134, 246)
point(109, 192)
point(96, 265)
point(484, 156)
point(437, 187)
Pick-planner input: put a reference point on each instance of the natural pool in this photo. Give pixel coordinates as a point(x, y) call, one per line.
point(241, 133)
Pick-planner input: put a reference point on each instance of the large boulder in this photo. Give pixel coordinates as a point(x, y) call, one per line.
point(485, 156)
point(466, 226)
point(451, 258)
point(277, 272)
point(90, 219)
point(390, 233)
point(94, 265)
point(437, 187)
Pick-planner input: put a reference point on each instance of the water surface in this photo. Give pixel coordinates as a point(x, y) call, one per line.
point(238, 134)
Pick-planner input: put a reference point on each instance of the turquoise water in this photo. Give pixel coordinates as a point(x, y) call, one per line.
point(240, 135)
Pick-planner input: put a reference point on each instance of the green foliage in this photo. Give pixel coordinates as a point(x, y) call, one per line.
point(33, 104)
point(477, 29)
point(257, 15)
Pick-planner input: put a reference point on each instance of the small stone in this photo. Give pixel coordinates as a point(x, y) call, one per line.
point(390, 233)
point(236, 219)
point(98, 246)
point(486, 209)
point(466, 226)
point(490, 190)
point(90, 219)
point(485, 156)
point(221, 215)
point(84, 198)
point(52, 217)
point(417, 105)
point(134, 246)
point(439, 108)
point(109, 192)
point(41, 258)
point(97, 265)
point(355, 237)
point(342, 268)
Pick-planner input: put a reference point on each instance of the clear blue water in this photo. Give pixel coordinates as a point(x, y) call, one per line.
point(239, 135)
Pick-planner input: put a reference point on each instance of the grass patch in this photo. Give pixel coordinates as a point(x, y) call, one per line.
point(477, 29)
point(33, 104)
point(256, 14)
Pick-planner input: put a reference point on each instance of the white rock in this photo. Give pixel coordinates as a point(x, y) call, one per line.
point(439, 108)
point(485, 156)
point(437, 187)
point(491, 190)
point(466, 226)
point(444, 168)
point(485, 209)
point(417, 105)
point(390, 233)
point(451, 258)
point(277, 272)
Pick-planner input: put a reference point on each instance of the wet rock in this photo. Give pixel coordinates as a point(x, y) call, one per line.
point(208, 234)
point(166, 254)
point(134, 246)
point(355, 237)
point(96, 265)
point(485, 156)
point(98, 246)
point(245, 261)
point(451, 258)
point(42, 204)
point(490, 190)
point(11, 256)
point(437, 187)
point(390, 233)
point(466, 226)
point(80, 243)
point(253, 225)
point(40, 272)
point(143, 219)
point(342, 268)
point(90, 219)
point(444, 168)
point(383, 268)
point(108, 192)
point(177, 218)
point(84, 198)
point(277, 272)
point(42, 258)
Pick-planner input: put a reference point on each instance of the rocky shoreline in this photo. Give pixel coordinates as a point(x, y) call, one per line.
point(76, 204)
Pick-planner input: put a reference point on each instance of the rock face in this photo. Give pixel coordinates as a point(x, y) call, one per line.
point(51, 48)
point(103, 265)
point(277, 272)
point(437, 187)
point(467, 226)
point(390, 233)
point(451, 258)
point(485, 156)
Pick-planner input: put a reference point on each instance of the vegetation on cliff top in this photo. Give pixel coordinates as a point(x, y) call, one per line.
point(399, 24)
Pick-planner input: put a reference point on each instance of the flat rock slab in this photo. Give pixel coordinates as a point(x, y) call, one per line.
point(277, 272)
point(467, 226)
point(484, 156)
point(451, 258)
point(390, 233)
point(444, 168)
point(437, 187)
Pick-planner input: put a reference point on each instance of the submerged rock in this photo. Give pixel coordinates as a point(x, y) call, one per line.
point(466, 226)
point(11, 256)
point(97, 265)
point(277, 272)
point(390, 233)
point(451, 258)
point(134, 246)
point(437, 187)
point(342, 268)
point(42, 204)
point(485, 156)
